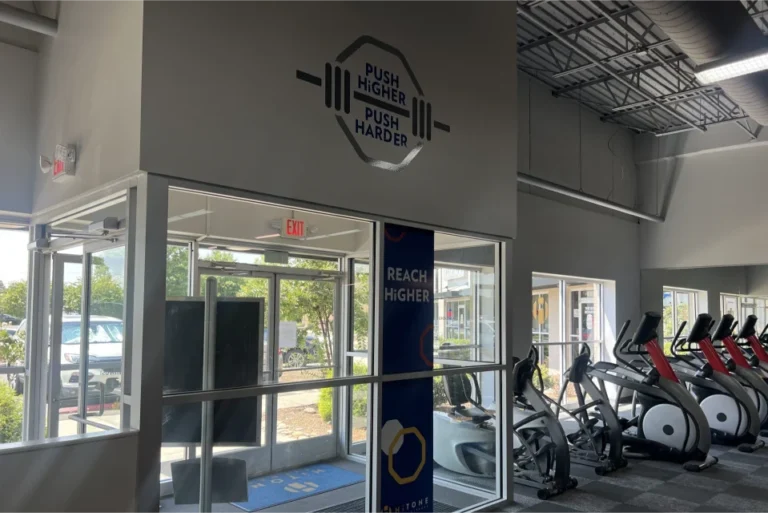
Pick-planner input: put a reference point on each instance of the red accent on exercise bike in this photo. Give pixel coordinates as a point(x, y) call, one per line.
point(712, 357)
point(758, 348)
point(736, 355)
point(660, 361)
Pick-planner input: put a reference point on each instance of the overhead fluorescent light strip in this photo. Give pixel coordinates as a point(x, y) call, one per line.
point(734, 67)
point(189, 215)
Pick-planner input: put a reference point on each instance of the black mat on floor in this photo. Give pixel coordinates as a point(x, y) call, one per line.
point(358, 506)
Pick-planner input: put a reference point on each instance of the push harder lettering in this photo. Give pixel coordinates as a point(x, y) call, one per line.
point(406, 295)
point(378, 124)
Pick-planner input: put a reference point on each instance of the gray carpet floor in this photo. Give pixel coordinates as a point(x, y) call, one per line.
point(738, 482)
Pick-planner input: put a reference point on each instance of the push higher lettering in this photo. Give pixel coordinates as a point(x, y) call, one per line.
point(379, 123)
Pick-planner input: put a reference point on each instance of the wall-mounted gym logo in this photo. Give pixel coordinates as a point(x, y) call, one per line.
point(378, 103)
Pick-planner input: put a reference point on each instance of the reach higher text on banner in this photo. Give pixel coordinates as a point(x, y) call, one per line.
point(407, 294)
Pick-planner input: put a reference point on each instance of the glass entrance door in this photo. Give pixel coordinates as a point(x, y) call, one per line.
point(301, 342)
point(250, 285)
point(307, 345)
point(64, 366)
point(86, 341)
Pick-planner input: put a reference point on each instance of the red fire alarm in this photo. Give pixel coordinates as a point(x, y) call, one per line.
point(64, 160)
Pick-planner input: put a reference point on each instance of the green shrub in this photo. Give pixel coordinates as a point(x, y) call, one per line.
point(11, 411)
point(550, 380)
point(359, 395)
point(11, 349)
point(439, 397)
point(325, 404)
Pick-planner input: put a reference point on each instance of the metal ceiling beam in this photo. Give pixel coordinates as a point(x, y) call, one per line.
point(639, 51)
point(537, 3)
point(583, 196)
point(688, 129)
point(632, 71)
point(673, 99)
point(531, 17)
point(28, 20)
point(573, 30)
point(667, 97)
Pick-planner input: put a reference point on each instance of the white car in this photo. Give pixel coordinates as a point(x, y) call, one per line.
point(105, 352)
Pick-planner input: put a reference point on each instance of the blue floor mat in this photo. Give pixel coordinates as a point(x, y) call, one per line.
point(265, 492)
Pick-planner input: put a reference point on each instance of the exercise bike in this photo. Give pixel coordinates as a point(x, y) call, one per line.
point(597, 442)
point(540, 447)
point(671, 425)
point(731, 413)
point(751, 378)
point(756, 346)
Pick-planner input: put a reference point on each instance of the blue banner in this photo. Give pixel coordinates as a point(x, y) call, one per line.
point(407, 341)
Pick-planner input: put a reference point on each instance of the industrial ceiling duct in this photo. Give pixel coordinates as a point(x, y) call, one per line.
point(711, 31)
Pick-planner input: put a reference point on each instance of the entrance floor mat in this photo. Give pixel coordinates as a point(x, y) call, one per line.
point(267, 491)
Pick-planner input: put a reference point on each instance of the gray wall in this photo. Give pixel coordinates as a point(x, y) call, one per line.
point(557, 135)
point(715, 216)
point(713, 281)
point(562, 236)
point(562, 239)
point(18, 105)
point(88, 474)
point(90, 87)
point(757, 280)
point(234, 113)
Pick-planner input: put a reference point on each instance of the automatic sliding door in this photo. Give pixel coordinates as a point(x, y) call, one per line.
point(307, 350)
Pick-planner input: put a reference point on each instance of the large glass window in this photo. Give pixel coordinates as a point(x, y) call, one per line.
point(464, 317)
point(13, 311)
point(679, 305)
point(742, 306)
point(565, 313)
point(314, 325)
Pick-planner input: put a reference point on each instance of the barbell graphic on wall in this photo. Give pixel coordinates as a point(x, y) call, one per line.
point(339, 95)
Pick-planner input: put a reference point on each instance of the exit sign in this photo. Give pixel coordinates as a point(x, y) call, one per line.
point(293, 229)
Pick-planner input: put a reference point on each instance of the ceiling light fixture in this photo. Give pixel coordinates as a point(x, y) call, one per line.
point(732, 67)
point(188, 215)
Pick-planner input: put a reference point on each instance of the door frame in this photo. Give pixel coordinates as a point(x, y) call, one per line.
point(59, 261)
point(287, 454)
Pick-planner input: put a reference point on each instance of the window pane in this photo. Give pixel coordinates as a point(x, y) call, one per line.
point(257, 257)
point(307, 348)
point(668, 318)
point(464, 403)
point(359, 417)
point(552, 367)
point(305, 414)
point(584, 311)
point(11, 405)
point(105, 340)
point(176, 271)
point(684, 310)
point(465, 304)
point(361, 313)
point(13, 311)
